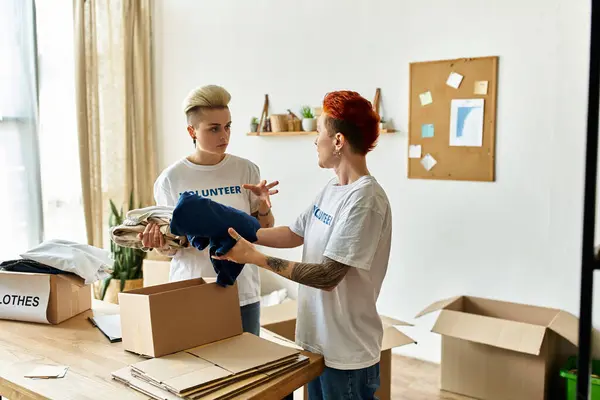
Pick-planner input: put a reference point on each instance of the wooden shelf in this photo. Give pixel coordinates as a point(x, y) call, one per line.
point(300, 133)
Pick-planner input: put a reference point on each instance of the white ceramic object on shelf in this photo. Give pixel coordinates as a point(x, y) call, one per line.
point(309, 124)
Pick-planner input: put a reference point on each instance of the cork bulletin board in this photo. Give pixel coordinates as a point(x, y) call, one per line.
point(452, 119)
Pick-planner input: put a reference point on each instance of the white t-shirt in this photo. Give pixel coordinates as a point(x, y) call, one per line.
point(351, 224)
point(222, 183)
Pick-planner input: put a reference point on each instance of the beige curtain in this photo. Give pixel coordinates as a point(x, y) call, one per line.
point(114, 107)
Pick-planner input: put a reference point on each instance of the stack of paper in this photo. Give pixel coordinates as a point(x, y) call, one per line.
point(219, 370)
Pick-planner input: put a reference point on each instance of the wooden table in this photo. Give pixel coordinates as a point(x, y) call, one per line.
point(91, 359)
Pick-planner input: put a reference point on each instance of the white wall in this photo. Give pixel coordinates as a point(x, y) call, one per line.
point(517, 239)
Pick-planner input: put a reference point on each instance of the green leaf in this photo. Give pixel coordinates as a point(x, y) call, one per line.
point(306, 112)
point(114, 213)
point(105, 284)
point(131, 200)
point(127, 261)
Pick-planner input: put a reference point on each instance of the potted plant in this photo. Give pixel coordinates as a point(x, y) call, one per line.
point(127, 269)
point(254, 124)
point(309, 123)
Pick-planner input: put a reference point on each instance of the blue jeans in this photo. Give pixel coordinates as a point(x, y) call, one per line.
point(336, 384)
point(251, 318)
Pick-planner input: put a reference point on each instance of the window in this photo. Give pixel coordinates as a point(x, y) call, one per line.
point(40, 189)
point(20, 197)
point(59, 154)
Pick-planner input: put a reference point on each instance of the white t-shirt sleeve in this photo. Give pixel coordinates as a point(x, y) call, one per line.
point(254, 180)
point(354, 238)
point(162, 193)
point(299, 225)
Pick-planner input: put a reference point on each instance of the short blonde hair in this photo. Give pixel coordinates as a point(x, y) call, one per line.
point(210, 96)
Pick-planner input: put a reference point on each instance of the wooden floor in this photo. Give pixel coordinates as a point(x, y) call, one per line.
point(417, 380)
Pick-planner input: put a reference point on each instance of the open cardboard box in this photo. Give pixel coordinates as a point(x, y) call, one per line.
point(498, 350)
point(43, 298)
point(281, 319)
point(164, 319)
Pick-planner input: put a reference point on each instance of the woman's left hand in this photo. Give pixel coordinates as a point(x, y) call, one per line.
point(243, 252)
point(263, 191)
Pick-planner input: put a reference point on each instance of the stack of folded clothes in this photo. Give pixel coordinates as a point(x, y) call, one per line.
point(126, 234)
point(197, 221)
point(29, 266)
point(62, 256)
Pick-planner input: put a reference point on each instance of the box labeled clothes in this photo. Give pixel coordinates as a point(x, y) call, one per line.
point(42, 298)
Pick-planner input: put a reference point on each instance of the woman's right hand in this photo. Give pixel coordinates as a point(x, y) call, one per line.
point(152, 237)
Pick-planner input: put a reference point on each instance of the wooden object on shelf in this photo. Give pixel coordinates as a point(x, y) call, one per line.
point(376, 100)
point(279, 123)
point(294, 123)
point(263, 114)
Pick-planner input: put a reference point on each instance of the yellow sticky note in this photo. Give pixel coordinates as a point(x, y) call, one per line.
point(481, 87)
point(426, 98)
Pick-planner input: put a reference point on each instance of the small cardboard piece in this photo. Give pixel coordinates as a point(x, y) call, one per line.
point(499, 350)
point(68, 296)
point(281, 319)
point(164, 319)
point(48, 372)
point(109, 325)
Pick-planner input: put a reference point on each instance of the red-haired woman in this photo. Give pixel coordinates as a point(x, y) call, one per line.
point(346, 234)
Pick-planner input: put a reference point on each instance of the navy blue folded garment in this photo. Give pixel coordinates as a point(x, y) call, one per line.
point(29, 266)
point(205, 223)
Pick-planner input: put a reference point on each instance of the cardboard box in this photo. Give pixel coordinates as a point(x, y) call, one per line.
point(155, 272)
point(498, 350)
point(281, 319)
point(164, 319)
point(42, 298)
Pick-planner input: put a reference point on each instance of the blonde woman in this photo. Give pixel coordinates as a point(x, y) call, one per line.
point(211, 172)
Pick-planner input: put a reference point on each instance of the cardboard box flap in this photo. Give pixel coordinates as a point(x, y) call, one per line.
point(510, 335)
point(278, 313)
point(453, 302)
point(73, 279)
point(567, 326)
point(167, 287)
point(392, 337)
point(388, 321)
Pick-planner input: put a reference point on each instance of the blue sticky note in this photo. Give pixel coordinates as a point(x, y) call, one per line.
point(427, 130)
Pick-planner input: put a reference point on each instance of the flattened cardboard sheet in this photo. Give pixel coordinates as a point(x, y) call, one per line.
point(167, 367)
point(242, 352)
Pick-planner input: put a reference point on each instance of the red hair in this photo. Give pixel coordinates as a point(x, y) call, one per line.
point(353, 116)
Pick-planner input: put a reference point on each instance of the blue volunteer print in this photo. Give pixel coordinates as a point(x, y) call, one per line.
point(220, 191)
point(322, 215)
